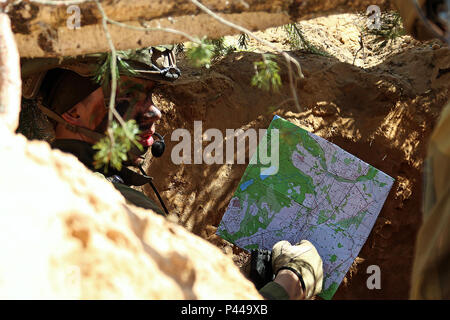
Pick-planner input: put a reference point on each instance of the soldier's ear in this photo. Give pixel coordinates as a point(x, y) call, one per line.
point(73, 116)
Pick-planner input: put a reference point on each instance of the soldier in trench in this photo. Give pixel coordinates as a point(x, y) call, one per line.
point(77, 107)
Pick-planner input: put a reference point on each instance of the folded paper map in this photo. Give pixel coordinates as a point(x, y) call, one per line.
point(317, 191)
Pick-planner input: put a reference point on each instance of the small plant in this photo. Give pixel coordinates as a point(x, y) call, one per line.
point(200, 54)
point(208, 49)
point(243, 41)
point(113, 151)
point(298, 41)
point(179, 48)
point(267, 73)
point(102, 75)
point(220, 48)
point(390, 29)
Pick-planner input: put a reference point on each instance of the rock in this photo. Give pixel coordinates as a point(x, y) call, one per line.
point(10, 83)
point(325, 108)
point(435, 46)
point(66, 233)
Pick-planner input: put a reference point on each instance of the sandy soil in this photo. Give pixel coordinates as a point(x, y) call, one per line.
point(382, 109)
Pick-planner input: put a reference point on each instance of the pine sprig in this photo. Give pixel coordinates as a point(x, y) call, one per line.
point(201, 53)
point(112, 152)
point(390, 29)
point(267, 73)
point(243, 41)
point(298, 41)
point(220, 48)
point(102, 74)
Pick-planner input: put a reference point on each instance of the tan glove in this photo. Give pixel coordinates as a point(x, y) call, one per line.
point(304, 260)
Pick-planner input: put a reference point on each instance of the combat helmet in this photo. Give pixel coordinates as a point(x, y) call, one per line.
point(46, 78)
point(153, 63)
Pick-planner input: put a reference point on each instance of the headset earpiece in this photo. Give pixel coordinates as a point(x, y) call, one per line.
point(159, 146)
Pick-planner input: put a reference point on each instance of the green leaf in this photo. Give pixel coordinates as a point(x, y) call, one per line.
point(201, 53)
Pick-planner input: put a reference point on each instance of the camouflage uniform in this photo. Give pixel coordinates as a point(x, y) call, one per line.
point(121, 180)
point(431, 269)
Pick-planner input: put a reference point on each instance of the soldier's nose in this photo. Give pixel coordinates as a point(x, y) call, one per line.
point(154, 113)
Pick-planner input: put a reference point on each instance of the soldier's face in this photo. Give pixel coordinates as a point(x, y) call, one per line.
point(134, 101)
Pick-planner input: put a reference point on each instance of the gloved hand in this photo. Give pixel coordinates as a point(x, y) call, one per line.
point(304, 260)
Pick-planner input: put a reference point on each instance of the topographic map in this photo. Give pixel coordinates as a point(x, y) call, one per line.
point(320, 193)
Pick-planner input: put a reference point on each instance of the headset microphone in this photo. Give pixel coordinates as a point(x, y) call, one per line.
point(159, 146)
